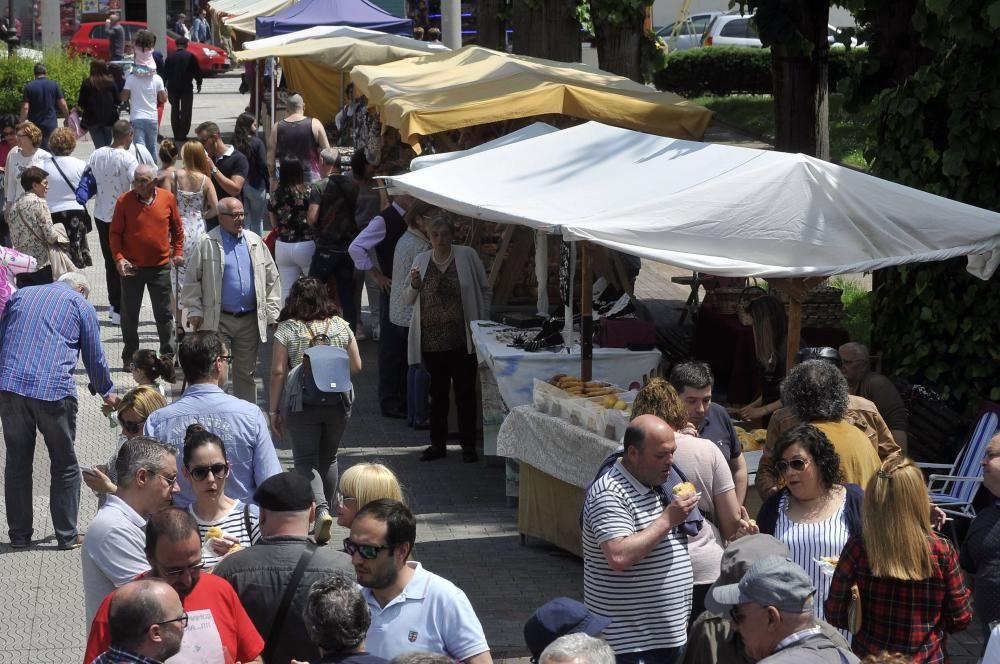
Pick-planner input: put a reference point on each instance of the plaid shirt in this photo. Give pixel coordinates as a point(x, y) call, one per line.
point(118, 656)
point(909, 617)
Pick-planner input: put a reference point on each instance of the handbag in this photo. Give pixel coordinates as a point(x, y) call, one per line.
point(76, 124)
point(747, 295)
point(58, 257)
point(87, 188)
point(271, 240)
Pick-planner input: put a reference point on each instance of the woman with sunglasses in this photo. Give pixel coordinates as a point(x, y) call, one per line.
point(816, 512)
point(206, 468)
point(133, 409)
point(361, 484)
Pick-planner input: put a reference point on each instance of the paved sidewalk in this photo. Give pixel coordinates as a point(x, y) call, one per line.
point(465, 531)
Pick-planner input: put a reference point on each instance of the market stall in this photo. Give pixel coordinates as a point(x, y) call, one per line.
point(348, 13)
point(717, 209)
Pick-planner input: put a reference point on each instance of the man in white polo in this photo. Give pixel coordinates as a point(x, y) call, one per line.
point(113, 551)
point(412, 609)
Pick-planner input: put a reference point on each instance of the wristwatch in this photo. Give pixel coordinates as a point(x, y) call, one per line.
point(214, 170)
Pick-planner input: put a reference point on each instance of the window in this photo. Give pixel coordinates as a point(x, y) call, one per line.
point(738, 28)
point(99, 32)
point(700, 23)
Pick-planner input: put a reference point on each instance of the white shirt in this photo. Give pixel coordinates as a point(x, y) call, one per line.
point(142, 99)
point(62, 196)
point(113, 169)
point(16, 163)
point(432, 614)
point(112, 553)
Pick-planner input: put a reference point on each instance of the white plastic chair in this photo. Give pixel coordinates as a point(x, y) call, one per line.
point(955, 490)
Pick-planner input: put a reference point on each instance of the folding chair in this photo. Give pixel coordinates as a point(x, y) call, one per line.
point(955, 490)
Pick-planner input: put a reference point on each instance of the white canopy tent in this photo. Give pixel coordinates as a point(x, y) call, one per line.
point(531, 131)
point(710, 208)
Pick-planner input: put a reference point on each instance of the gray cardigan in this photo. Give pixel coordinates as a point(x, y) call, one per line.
point(476, 295)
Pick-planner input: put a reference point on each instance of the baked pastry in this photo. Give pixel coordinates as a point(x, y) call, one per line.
point(684, 489)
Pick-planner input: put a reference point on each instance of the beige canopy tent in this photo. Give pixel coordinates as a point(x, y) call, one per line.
point(316, 59)
point(474, 86)
point(246, 13)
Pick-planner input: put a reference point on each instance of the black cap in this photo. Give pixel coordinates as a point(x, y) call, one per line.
point(557, 618)
point(284, 492)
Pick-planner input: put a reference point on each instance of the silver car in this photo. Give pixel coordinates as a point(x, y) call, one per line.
point(689, 31)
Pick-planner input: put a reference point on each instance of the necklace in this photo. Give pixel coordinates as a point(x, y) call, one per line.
point(443, 264)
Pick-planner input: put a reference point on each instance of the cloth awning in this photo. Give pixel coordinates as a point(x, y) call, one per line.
point(531, 131)
point(354, 13)
point(247, 13)
point(338, 47)
point(710, 208)
point(474, 85)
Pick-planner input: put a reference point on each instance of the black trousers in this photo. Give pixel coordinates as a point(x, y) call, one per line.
point(110, 272)
point(456, 367)
point(157, 280)
point(328, 263)
point(392, 364)
point(180, 114)
point(36, 278)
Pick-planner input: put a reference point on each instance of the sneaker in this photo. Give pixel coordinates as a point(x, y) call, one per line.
point(74, 543)
point(322, 531)
point(375, 331)
point(20, 544)
point(116, 319)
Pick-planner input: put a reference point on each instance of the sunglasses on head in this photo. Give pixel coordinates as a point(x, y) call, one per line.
point(366, 551)
point(130, 427)
point(220, 470)
point(797, 465)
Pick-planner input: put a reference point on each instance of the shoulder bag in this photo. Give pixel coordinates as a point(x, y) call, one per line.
point(281, 615)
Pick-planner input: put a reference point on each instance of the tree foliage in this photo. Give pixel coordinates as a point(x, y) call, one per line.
point(937, 130)
point(623, 47)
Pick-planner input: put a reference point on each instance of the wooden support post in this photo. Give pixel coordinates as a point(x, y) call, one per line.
point(794, 331)
point(586, 316)
point(501, 255)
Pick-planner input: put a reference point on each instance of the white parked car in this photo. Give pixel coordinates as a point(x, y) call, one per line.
point(739, 30)
point(689, 32)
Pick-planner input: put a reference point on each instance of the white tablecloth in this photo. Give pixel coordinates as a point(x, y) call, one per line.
point(515, 369)
point(554, 446)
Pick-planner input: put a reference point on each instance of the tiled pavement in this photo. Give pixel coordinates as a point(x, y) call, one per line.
point(465, 530)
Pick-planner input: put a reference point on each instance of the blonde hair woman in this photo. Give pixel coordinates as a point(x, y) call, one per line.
point(361, 484)
point(912, 591)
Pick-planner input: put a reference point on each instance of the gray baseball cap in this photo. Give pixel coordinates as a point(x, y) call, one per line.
point(744, 552)
point(772, 581)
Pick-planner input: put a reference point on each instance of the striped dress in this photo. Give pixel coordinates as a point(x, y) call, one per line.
point(233, 523)
point(810, 541)
point(649, 602)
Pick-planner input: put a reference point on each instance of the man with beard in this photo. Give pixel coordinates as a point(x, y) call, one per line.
point(147, 623)
point(412, 609)
point(218, 626)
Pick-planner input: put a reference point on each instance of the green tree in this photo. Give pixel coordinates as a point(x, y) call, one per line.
point(619, 35)
point(491, 21)
point(546, 29)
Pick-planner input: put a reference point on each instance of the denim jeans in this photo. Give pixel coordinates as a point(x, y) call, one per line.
point(417, 385)
point(145, 134)
point(255, 207)
point(101, 136)
point(56, 420)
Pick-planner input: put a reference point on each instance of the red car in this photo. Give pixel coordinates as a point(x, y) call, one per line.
point(91, 39)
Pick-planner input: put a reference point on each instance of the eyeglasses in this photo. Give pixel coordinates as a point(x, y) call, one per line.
point(797, 465)
point(736, 616)
point(234, 215)
point(225, 358)
point(174, 572)
point(130, 427)
point(182, 619)
point(342, 499)
point(220, 470)
point(366, 551)
point(169, 479)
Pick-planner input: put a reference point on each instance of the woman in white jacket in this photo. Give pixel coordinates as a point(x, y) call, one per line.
point(449, 289)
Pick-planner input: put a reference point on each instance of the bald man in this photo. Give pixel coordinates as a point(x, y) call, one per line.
point(146, 621)
point(146, 236)
point(635, 560)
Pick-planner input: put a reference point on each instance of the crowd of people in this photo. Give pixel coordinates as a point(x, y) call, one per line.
point(205, 549)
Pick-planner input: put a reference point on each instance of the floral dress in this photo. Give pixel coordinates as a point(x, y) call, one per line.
point(191, 205)
point(290, 205)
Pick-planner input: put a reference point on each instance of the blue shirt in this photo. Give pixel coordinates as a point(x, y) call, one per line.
point(43, 331)
point(237, 275)
point(718, 428)
point(240, 424)
point(42, 95)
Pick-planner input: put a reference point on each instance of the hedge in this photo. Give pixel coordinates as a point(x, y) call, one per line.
point(724, 71)
point(66, 70)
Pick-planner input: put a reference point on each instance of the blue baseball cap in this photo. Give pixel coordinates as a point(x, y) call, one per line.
point(557, 618)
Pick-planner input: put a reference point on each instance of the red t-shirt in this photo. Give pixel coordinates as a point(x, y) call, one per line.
point(211, 594)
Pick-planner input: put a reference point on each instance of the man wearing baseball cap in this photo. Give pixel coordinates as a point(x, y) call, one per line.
point(560, 617)
point(771, 609)
point(261, 573)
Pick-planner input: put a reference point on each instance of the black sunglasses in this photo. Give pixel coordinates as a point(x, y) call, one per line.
point(736, 616)
point(130, 427)
point(225, 358)
point(797, 465)
point(366, 551)
point(220, 470)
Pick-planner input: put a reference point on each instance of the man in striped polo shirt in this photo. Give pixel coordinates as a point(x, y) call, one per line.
point(636, 568)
